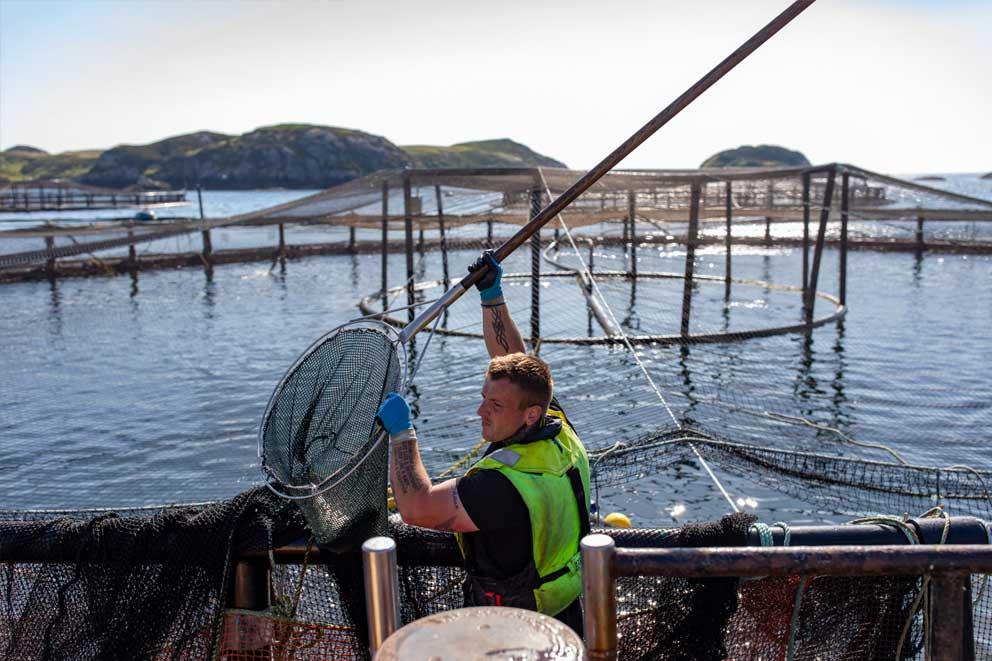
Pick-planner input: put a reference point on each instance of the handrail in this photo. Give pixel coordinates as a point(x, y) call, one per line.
point(949, 567)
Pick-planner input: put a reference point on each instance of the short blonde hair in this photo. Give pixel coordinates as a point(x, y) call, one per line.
point(529, 373)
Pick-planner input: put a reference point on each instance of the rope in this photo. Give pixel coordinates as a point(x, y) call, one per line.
point(630, 347)
point(781, 417)
point(794, 620)
point(923, 597)
point(764, 532)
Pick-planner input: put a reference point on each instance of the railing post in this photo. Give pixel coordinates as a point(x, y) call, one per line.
point(385, 243)
point(828, 195)
point(351, 239)
point(251, 586)
point(690, 258)
point(444, 240)
point(844, 197)
point(382, 589)
point(535, 271)
point(132, 254)
point(408, 231)
point(727, 274)
point(948, 616)
point(50, 262)
point(805, 234)
point(919, 233)
point(632, 234)
point(599, 591)
point(208, 247)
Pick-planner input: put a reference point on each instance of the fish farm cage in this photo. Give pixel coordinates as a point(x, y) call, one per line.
point(615, 286)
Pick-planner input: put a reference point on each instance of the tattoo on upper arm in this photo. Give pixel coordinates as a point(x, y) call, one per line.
point(499, 328)
point(448, 525)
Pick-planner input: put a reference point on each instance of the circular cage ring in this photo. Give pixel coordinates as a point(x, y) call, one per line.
point(367, 306)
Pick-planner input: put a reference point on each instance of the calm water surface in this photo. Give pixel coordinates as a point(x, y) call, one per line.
point(121, 392)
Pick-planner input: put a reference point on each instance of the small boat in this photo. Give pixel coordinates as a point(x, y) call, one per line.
point(145, 214)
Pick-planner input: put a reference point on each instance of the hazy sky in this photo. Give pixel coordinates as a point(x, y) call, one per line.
point(894, 85)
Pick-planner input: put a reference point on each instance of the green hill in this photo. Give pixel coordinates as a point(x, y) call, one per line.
point(23, 163)
point(756, 156)
point(483, 153)
point(284, 156)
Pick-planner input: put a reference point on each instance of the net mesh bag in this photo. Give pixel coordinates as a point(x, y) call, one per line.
point(112, 586)
point(319, 440)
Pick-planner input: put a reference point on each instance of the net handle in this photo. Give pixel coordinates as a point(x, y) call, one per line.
point(592, 176)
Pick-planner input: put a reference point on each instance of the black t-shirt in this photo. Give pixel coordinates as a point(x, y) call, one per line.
point(502, 546)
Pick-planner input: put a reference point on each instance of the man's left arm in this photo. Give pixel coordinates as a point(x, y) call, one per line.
point(419, 502)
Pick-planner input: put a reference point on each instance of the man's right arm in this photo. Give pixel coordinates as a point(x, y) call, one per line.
point(500, 331)
point(498, 328)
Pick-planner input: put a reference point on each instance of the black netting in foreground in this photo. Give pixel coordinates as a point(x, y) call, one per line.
point(156, 586)
point(129, 587)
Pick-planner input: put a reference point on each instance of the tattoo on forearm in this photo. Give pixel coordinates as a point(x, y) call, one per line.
point(403, 459)
point(499, 328)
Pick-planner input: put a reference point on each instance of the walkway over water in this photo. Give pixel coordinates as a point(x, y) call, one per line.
point(58, 195)
point(461, 205)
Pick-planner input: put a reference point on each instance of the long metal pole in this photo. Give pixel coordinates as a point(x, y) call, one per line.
point(382, 589)
point(612, 159)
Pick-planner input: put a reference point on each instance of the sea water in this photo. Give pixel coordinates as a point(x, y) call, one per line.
point(125, 391)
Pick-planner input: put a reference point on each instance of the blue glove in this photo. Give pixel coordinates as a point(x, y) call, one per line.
point(394, 414)
point(489, 285)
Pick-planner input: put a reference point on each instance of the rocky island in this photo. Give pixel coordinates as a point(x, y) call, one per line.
point(756, 156)
point(281, 156)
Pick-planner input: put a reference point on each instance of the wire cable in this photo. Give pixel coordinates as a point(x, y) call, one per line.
point(630, 348)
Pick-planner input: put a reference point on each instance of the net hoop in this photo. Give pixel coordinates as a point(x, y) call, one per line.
point(304, 492)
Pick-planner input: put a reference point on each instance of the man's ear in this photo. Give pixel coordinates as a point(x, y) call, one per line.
point(533, 414)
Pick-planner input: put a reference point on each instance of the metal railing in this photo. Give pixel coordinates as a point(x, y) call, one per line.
point(949, 568)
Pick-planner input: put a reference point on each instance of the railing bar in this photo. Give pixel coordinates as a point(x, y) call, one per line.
point(897, 560)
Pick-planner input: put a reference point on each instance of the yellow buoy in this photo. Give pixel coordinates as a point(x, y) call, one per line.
point(617, 520)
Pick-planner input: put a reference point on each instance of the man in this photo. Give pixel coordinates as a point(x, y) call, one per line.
point(521, 510)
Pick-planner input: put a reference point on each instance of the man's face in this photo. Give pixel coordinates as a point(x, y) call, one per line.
point(502, 411)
